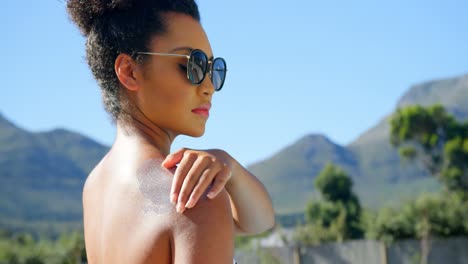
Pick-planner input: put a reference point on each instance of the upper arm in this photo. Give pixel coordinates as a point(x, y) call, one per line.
point(205, 233)
point(237, 229)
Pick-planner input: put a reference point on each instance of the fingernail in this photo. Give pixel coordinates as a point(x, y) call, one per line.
point(180, 207)
point(173, 198)
point(189, 204)
point(211, 195)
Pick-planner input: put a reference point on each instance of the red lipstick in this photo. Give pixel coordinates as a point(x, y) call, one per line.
point(203, 110)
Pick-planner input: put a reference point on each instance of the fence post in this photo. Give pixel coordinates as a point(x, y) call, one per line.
point(383, 253)
point(296, 255)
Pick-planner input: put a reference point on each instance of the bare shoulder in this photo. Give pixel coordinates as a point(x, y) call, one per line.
point(205, 233)
point(129, 206)
point(91, 182)
point(153, 183)
point(146, 221)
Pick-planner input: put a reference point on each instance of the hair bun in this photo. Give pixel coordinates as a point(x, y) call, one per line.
point(85, 12)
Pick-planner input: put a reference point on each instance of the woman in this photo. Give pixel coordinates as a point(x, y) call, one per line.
point(154, 65)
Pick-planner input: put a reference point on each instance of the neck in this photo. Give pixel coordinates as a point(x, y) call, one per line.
point(142, 131)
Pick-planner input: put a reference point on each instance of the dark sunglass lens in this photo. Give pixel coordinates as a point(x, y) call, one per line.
point(219, 73)
point(197, 67)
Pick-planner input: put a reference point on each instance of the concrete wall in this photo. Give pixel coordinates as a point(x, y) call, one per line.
point(442, 251)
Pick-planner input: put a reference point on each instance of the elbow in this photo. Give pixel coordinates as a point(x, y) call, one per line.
point(259, 226)
point(269, 222)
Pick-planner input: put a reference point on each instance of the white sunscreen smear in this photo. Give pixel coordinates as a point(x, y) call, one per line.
point(155, 185)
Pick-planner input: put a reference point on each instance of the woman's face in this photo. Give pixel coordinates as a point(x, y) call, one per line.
point(166, 96)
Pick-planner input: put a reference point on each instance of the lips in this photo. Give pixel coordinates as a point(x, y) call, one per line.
point(203, 110)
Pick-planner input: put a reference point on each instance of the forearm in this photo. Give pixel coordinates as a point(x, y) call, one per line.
point(252, 208)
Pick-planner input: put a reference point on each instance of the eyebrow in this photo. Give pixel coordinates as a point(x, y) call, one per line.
point(186, 48)
point(189, 49)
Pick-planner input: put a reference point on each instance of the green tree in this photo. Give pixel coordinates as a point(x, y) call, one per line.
point(438, 215)
point(334, 184)
point(437, 139)
point(337, 216)
point(22, 248)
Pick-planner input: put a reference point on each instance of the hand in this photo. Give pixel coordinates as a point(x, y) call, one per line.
point(197, 170)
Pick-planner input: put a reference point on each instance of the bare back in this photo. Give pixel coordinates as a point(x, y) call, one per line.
point(128, 218)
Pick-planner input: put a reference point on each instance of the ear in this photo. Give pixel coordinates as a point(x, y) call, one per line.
point(126, 70)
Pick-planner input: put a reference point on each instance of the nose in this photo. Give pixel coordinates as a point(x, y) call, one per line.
point(207, 87)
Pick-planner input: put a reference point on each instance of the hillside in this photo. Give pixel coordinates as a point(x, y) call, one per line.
point(379, 175)
point(42, 175)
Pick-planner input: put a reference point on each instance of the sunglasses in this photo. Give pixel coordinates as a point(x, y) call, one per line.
point(198, 65)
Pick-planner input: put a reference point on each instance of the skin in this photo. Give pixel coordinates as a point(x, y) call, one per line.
point(138, 206)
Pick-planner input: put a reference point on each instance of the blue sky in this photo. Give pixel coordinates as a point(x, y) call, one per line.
point(295, 68)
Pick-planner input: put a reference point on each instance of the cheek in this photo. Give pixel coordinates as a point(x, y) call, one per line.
point(164, 99)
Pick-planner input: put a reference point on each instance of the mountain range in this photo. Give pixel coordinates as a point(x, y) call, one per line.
point(42, 174)
point(379, 176)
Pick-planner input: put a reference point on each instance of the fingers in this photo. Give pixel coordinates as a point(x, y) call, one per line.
point(203, 184)
point(189, 182)
point(179, 175)
point(197, 170)
point(174, 158)
point(220, 181)
point(191, 179)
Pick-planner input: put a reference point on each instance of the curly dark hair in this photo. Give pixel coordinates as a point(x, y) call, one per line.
point(113, 27)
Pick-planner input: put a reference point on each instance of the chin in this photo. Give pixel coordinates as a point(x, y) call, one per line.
point(195, 133)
